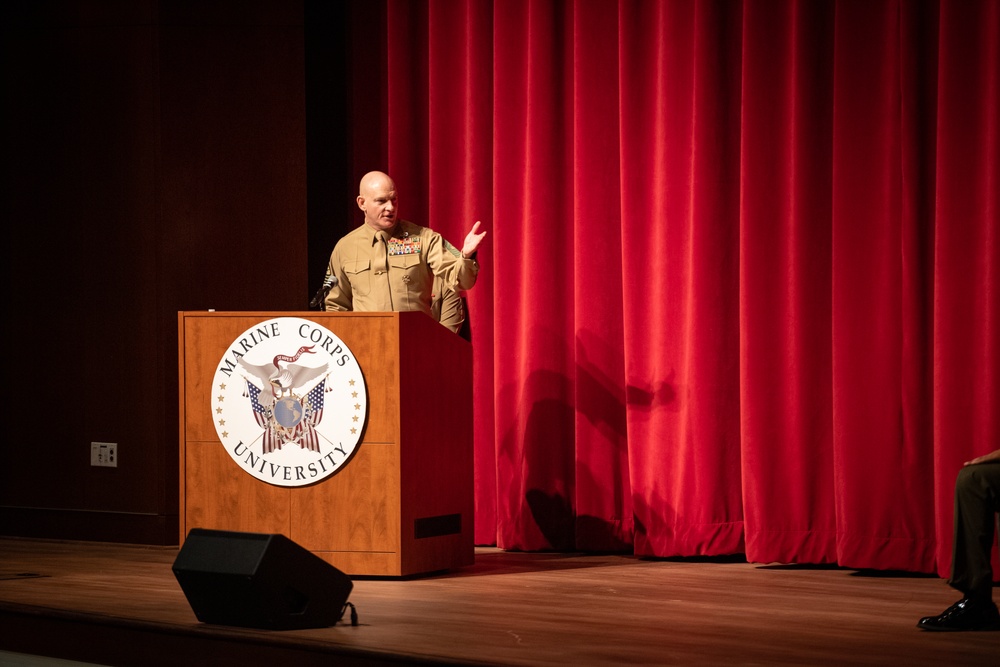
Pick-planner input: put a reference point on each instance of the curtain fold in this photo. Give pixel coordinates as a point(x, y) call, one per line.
point(739, 292)
point(879, 486)
point(602, 503)
point(966, 246)
point(785, 282)
point(679, 100)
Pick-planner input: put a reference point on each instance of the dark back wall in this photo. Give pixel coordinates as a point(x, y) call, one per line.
point(154, 160)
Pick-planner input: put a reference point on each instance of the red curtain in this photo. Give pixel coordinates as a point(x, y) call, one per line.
point(739, 292)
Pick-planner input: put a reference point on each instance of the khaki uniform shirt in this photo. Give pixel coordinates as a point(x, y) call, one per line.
point(447, 306)
point(375, 275)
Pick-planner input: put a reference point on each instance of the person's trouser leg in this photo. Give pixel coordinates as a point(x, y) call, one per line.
point(977, 499)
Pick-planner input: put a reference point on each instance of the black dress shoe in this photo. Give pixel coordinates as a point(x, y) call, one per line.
point(966, 614)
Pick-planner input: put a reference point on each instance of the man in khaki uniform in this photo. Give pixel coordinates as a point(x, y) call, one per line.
point(388, 264)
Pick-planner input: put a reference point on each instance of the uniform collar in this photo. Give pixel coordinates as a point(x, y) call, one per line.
point(403, 230)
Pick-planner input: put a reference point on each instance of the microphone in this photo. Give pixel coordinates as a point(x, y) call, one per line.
point(328, 284)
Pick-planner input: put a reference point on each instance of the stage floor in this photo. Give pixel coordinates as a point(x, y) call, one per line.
point(114, 604)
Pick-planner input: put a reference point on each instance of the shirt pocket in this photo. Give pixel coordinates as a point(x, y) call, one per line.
point(406, 266)
point(359, 274)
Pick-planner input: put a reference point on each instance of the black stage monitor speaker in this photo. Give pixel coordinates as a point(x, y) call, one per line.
point(257, 580)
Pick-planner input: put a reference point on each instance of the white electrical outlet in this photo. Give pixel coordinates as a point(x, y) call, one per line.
point(104, 454)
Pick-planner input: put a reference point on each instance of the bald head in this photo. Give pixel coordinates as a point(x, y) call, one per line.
point(377, 198)
point(373, 180)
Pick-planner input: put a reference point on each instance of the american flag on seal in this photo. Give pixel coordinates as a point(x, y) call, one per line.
point(263, 417)
point(305, 430)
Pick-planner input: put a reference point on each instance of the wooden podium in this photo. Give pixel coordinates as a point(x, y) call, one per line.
point(403, 505)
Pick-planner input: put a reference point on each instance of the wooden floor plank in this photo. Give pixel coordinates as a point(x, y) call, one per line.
point(528, 609)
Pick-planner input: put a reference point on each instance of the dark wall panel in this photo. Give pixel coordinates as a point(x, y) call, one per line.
point(153, 161)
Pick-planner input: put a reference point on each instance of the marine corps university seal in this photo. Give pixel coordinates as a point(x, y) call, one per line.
point(289, 402)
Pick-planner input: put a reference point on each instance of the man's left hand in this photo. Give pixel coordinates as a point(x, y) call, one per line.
point(472, 241)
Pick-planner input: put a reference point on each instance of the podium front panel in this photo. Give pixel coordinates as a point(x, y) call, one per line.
point(408, 471)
